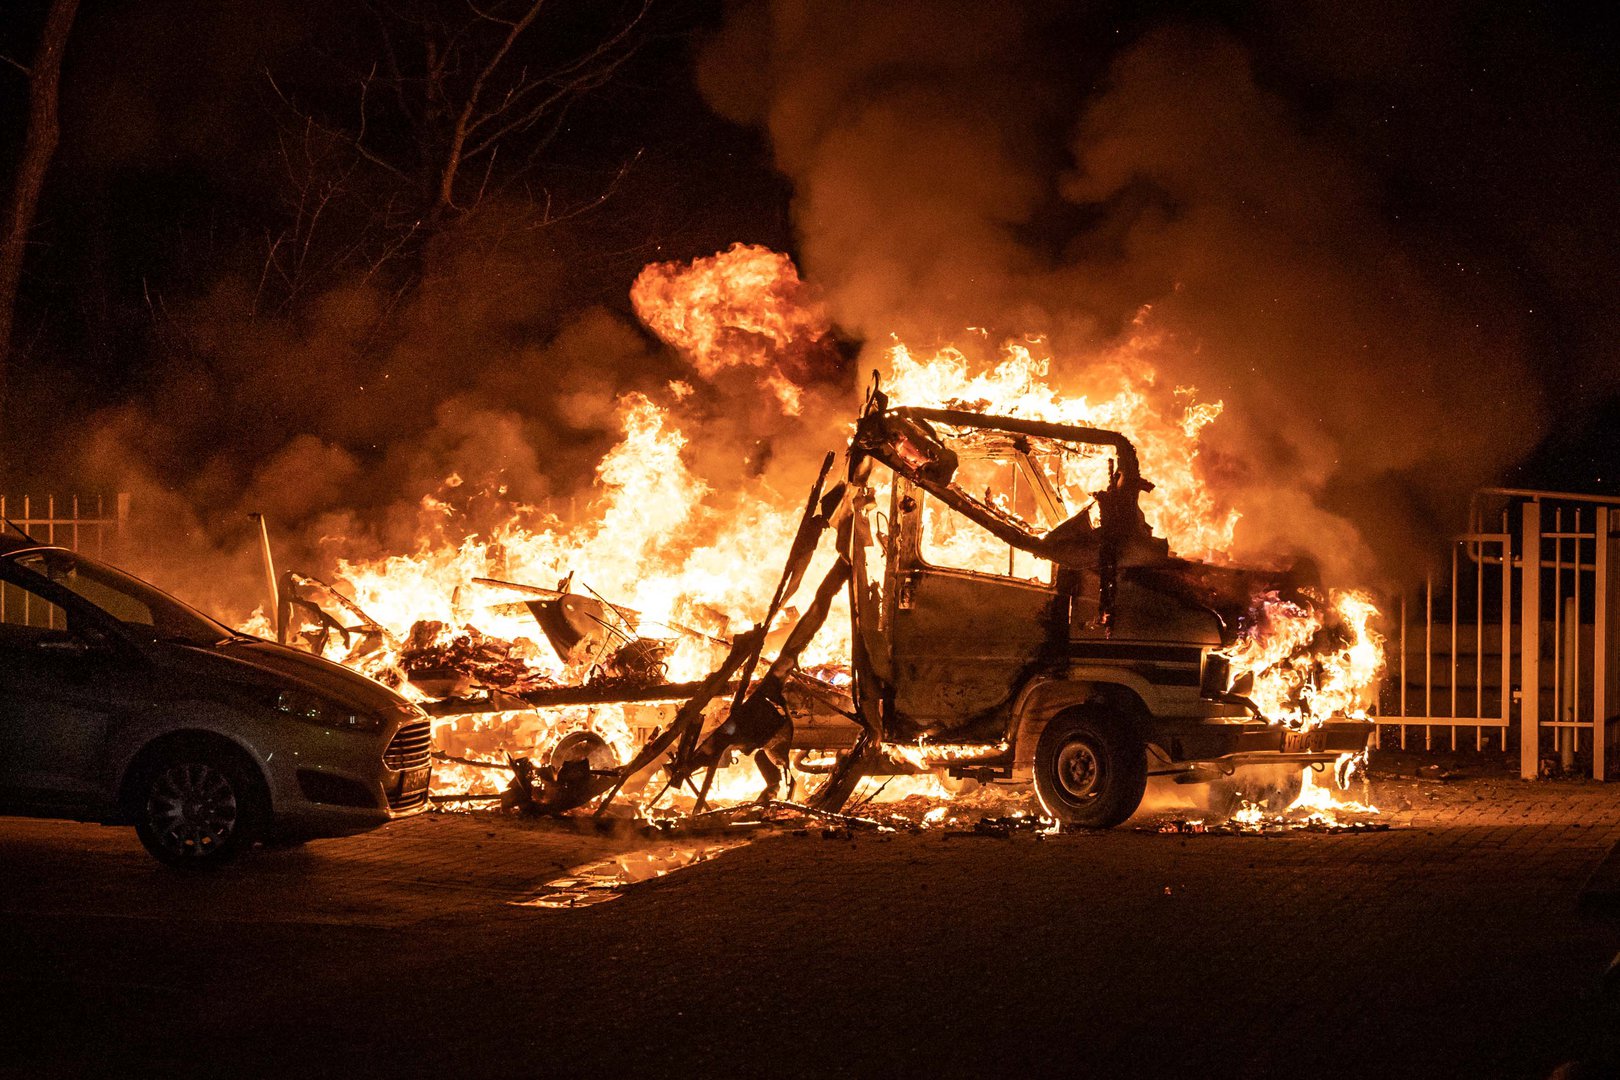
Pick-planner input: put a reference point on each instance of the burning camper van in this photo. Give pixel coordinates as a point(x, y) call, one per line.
point(1012, 617)
point(1018, 631)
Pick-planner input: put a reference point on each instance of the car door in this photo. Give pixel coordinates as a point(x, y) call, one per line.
point(62, 676)
point(970, 619)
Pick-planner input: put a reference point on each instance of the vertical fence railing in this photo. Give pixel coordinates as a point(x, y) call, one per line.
point(1458, 675)
point(1567, 633)
point(1520, 629)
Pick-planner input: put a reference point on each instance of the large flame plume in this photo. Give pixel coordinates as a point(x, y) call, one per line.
point(690, 562)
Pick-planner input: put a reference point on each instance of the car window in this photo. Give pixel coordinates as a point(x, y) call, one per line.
point(27, 617)
point(139, 606)
point(954, 541)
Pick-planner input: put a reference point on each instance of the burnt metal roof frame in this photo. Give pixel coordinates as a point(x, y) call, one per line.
point(1128, 462)
point(992, 518)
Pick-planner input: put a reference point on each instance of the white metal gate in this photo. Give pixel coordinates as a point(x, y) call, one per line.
point(1523, 633)
point(92, 524)
point(1448, 668)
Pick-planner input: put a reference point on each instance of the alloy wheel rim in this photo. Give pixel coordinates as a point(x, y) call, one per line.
point(192, 809)
point(1078, 770)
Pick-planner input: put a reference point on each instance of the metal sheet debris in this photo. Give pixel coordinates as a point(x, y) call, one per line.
point(605, 880)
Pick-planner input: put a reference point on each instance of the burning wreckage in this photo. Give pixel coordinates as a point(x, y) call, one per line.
point(1007, 624)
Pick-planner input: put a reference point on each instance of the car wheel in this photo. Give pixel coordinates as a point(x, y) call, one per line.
point(1090, 767)
point(583, 745)
point(196, 807)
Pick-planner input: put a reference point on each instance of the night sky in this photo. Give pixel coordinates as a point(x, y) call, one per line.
point(1481, 138)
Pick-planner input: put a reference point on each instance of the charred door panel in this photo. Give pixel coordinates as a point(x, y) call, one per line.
point(1143, 614)
point(963, 644)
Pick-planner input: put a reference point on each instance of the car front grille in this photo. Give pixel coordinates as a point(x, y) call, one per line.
point(409, 800)
point(410, 748)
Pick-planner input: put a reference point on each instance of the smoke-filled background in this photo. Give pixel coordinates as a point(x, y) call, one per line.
point(1381, 236)
point(1349, 221)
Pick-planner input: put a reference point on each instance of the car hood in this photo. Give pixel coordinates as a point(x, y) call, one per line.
point(254, 662)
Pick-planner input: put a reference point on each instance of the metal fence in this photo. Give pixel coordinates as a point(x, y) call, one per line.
point(93, 524)
point(1448, 672)
point(1521, 633)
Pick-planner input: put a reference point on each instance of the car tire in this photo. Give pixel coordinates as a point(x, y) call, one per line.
point(1091, 767)
point(197, 806)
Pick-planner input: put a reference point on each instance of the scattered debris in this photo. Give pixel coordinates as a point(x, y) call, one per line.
point(1312, 823)
point(447, 663)
point(1000, 828)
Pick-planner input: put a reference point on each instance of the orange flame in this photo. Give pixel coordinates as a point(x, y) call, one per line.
point(1301, 679)
point(658, 540)
point(742, 308)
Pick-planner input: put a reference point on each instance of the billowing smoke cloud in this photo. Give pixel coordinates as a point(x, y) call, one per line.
point(481, 400)
point(1016, 169)
point(970, 165)
point(336, 421)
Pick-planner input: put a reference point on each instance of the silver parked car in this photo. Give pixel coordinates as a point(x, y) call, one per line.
point(121, 704)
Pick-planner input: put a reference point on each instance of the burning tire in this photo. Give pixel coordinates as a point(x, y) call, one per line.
point(196, 806)
point(1090, 768)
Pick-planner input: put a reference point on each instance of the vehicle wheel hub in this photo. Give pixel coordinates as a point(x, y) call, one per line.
point(1078, 770)
point(192, 808)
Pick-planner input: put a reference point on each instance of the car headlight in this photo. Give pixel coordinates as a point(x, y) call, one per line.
point(303, 705)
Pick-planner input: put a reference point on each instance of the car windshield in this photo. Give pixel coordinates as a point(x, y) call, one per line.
point(140, 607)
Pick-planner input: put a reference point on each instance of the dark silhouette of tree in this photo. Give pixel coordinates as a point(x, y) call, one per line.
point(39, 146)
point(440, 109)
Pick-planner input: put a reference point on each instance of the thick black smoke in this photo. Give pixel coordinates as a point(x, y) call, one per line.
point(1282, 189)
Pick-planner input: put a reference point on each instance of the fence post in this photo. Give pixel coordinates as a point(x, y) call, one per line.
point(1507, 630)
point(1600, 649)
point(1530, 642)
point(122, 514)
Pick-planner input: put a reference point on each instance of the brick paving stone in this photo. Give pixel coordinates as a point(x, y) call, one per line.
point(1450, 945)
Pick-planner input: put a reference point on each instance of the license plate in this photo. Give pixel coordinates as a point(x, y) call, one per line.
point(1302, 742)
point(415, 779)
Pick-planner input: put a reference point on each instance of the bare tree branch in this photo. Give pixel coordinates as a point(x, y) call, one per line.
point(39, 146)
point(458, 137)
point(343, 136)
point(446, 83)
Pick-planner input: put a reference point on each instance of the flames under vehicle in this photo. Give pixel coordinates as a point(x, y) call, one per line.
point(997, 634)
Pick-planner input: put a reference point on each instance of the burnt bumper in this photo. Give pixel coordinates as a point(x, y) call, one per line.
point(1193, 742)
